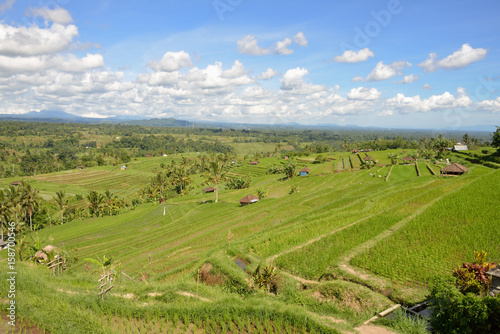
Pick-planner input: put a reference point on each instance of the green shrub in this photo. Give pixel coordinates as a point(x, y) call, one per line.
point(454, 312)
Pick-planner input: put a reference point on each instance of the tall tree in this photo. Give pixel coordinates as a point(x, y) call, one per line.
point(496, 138)
point(14, 198)
point(29, 200)
point(4, 211)
point(62, 202)
point(95, 199)
point(216, 172)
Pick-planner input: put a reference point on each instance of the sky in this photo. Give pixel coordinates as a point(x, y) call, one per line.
point(395, 63)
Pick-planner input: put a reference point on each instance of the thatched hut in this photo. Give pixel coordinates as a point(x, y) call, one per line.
point(209, 190)
point(455, 169)
point(16, 183)
point(407, 159)
point(368, 158)
point(254, 163)
point(250, 199)
point(304, 171)
point(41, 255)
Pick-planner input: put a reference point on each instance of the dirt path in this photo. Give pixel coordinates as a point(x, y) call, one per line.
point(300, 279)
point(188, 294)
point(371, 329)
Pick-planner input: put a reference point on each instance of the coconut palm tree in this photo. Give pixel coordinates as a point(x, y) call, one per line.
point(62, 202)
point(216, 172)
point(29, 200)
point(14, 199)
point(95, 199)
point(4, 210)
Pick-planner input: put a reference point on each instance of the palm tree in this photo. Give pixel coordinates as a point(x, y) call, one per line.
point(394, 158)
point(14, 199)
point(95, 199)
point(108, 197)
point(29, 200)
point(62, 202)
point(4, 211)
point(216, 172)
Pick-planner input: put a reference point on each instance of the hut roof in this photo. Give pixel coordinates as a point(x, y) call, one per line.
point(80, 167)
point(494, 272)
point(254, 163)
point(355, 151)
point(407, 158)
point(249, 199)
point(15, 183)
point(460, 148)
point(209, 190)
point(455, 168)
point(305, 169)
point(368, 158)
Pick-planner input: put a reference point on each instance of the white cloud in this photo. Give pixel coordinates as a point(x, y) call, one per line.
point(172, 61)
point(384, 72)
point(354, 57)
point(31, 41)
point(300, 39)
point(490, 105)
point(249, 45)
point(410, 104)
point(293, 78)
point(281, 47)
point(409, 79)
point(427, 87)
point(459, 59)
point(268, 74)
point(56, 15)
point(364, 94)
point(6, 5)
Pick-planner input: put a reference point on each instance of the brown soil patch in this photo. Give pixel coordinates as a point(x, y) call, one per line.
point(370, 329)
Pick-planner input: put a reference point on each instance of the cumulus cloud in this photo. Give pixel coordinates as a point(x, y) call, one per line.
point(300, 39)
point(172, 61)
point(409, 79)
point(56, 15)
point(411, 104)
point(364, 94)
point(459, 59)
point(249, 45)
point(31, 41)
point(490, 105)
point(383, 72)
point(268, 74)
point(354, 57)
point(293, 78)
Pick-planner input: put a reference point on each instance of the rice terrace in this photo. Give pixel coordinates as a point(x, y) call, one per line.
point(146, 229)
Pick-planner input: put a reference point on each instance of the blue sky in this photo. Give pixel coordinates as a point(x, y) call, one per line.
point(397, 63)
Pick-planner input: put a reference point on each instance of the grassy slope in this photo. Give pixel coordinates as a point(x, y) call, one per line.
point(169, 242)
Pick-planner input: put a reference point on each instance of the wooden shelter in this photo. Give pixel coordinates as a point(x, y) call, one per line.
point(304, 171)
point(355, 151)
point(253, 163)
point(42, 254)
point(80, 167)
point(250, 199)
point(209, 190)
point(495, 282)
point(407, 159)
point(16, 183)
point(455, 169)
point(368, 158)
point(123, 167)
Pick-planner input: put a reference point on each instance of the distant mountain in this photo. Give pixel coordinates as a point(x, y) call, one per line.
point(64, 117)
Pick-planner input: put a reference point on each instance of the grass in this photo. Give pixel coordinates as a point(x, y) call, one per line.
point(306, 234)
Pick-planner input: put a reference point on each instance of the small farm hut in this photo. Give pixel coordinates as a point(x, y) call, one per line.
point(209, 190)
point(304, 171)
point(355, 151)
point(495, 282)
point(80, 167)
point(123, 167)
point(250, 199)
point(253, 163)
point(460, 148)
point(407, 159)
point(368, 158)
point(16, 183)
point(455, 169)
point(42, 254)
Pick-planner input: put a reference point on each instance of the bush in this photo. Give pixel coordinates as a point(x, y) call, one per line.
point(454, 312)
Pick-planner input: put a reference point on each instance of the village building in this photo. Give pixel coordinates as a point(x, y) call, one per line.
point(250, 199)
point(304, 171)
point(407, 159)
point(16, 183)
point(459, 147)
